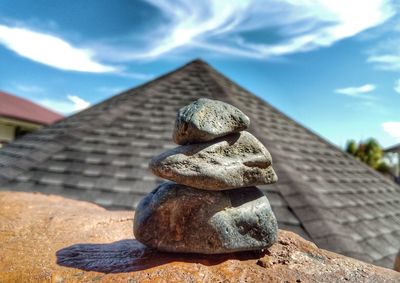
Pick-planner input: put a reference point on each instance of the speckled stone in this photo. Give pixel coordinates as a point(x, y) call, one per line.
point(177, 218)
point(206, 119)
point(234, 161)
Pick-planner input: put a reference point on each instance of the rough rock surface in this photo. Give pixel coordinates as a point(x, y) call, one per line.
point(237, 160)
point(206, 119)
point(177, 218)
point(52, 239)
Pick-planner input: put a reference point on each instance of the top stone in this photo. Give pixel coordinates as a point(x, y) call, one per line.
point(205, 119)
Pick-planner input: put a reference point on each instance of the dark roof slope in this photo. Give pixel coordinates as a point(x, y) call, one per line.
point(394, 148)
point(19, 108)
point(101, 155)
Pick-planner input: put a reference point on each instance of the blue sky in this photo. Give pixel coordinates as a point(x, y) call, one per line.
point(334, 66)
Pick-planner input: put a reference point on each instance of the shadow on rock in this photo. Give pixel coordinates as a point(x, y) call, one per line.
point(131, 255)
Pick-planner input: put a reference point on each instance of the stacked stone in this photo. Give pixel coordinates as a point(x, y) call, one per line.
point(211, 206)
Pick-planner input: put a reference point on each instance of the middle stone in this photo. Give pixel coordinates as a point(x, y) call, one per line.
point(234, 161)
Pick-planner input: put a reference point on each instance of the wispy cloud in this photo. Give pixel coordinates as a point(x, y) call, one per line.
point(110, 90)
point(223, 26)
point(68, 105)
point(397, 86)
point(136, 76)
point(393, 129)
point(27, 88)
point(386, 62)
point(367, 106)
point(386, 54)
point(358, 91)
point(50, 50)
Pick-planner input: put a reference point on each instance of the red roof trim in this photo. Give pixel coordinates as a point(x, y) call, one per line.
point(22, 109)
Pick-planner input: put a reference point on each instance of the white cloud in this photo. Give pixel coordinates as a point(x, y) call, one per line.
point(136, 76)
point(50, 50)
point(110, 90)
point(393, 129)
point(386, 62)
point(397, 86)
point(386, 54)
point(28, 88)
point(225, 27)
point(79, 103)
point(69, 105)
point(221, 26)
point(370, 106)
point(356, 91)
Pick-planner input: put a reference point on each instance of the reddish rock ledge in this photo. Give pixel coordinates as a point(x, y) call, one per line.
point(50, 238)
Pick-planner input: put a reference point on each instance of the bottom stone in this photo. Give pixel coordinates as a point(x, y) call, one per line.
point(177, 218)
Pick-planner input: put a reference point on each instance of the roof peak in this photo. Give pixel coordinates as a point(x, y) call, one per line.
point(197, 61)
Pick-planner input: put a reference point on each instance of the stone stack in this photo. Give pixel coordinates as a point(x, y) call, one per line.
point(211, 206)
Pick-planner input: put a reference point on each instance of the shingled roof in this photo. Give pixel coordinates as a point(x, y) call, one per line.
point(101, 155)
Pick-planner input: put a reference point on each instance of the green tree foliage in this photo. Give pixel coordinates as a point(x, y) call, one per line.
point(369, 152)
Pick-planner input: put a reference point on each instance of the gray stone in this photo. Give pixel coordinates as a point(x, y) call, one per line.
point(177, 218)
point(234, 161)
point(206, 119)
